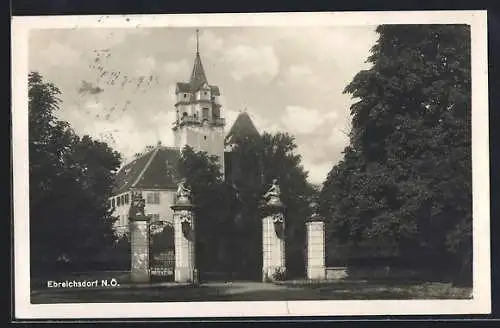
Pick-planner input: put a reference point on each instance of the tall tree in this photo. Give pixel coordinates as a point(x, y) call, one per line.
point(211, 197)
point(405, 179)
point(70, 182)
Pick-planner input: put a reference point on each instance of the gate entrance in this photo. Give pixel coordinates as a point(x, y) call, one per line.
point(161, 251)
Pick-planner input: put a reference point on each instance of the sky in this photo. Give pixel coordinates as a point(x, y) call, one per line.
point(118, 84)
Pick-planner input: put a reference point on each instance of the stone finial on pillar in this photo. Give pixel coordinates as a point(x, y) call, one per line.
point(273, 234)
point(315, 225)
point(184, 235)
point(139, 239)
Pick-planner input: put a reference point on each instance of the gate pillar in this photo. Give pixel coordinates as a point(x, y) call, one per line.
point(184, 236)
point(273, 235)
point(139, 240)
point(315, 226)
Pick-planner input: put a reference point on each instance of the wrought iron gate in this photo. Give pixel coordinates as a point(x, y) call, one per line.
point(161, 251)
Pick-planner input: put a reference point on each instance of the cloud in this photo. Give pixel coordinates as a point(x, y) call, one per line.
point(123, 135)
point(265, 125)
point(317, 173)
point(145, 66)
point(298, 73)
point(171, 95)
point(163, 122)
point(252, 62)
point(57, 54)
point(210, 43)
point(301, 120)
point(177, 69)
point(338, 139)
point(104, 38)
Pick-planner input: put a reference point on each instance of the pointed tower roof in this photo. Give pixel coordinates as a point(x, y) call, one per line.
point(243, 127)
point(198, 76)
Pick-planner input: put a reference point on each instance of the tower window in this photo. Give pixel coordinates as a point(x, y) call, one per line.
point(205, 137)
point(205, 113)
point(185, 95)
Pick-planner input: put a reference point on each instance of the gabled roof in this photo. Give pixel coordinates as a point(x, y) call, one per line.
point(155, 169)
point(243, 127)
point(162, 170)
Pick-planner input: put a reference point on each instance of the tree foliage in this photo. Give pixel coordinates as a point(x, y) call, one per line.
point(405, 179)
point(70, 182)
point(211, 197)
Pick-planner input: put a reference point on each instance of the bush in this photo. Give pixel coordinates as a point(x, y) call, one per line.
point(279, 274)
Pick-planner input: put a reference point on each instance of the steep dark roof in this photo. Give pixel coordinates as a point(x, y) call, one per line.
point(243, 127)
point(129, 173)
point(197, 80)
point(155, 169)
point(198, 77)
point(183, 87)
point(161, 172)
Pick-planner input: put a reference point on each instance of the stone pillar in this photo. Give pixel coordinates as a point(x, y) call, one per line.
point(315, 227)
point(184, 227)
point(139, 242)
point(273, 239)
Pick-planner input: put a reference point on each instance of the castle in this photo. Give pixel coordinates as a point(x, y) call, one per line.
point(199, 124)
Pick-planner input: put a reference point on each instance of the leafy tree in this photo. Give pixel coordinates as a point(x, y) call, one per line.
point(211, 197)
point(70, 181)
point(405, 179)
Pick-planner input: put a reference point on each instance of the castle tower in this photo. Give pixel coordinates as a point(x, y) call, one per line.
point(243, 133)
point(198, 122)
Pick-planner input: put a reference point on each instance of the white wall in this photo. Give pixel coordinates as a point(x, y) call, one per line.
point(121, 211)
point(162, 209)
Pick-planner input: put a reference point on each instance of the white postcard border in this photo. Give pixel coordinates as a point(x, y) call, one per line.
point(480, 304)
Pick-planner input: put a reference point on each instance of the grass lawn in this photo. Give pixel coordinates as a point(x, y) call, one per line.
point(253, 291)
